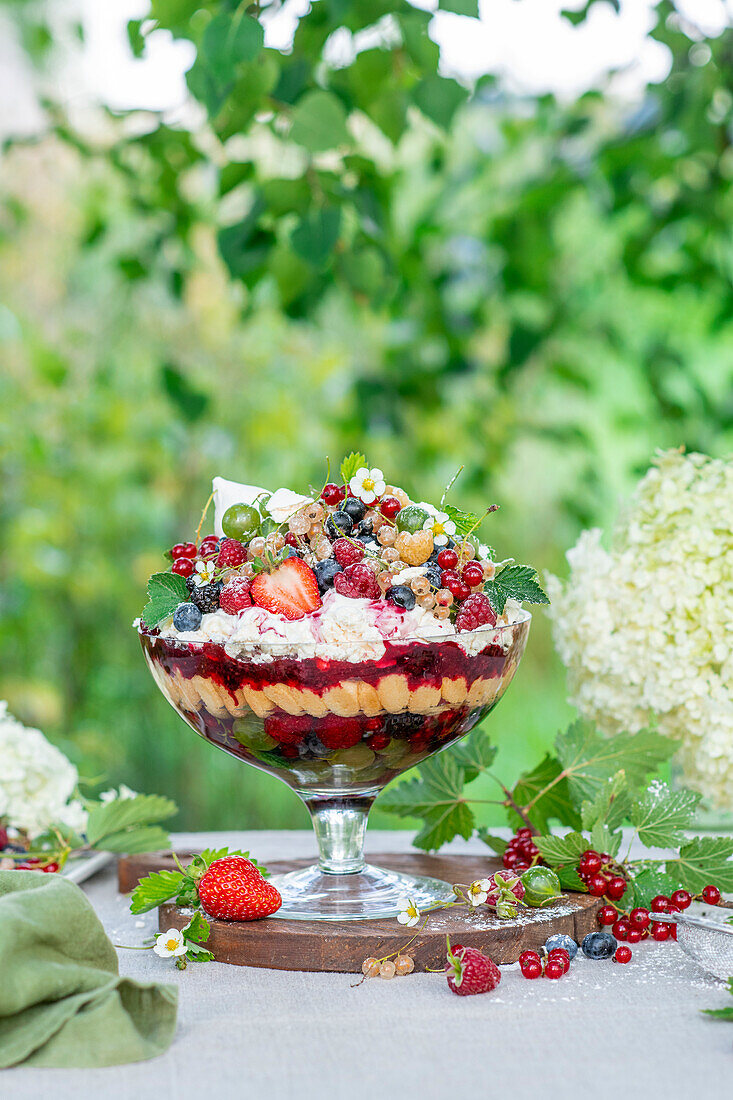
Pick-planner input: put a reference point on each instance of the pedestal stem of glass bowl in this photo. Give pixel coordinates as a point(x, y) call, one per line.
point(340, 826)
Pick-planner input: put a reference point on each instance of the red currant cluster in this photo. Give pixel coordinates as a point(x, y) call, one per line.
point(553, 964)
point(521, 851)
point(639, 924)
point(35, 864)
point(595, 869)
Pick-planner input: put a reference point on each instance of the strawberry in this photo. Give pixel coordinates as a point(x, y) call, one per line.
point(469, 971)
point(291, 590)
point(233, 889)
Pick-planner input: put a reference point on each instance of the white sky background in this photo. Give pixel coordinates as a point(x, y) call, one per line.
point(526, 42)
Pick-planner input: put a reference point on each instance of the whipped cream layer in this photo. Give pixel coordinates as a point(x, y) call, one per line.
point(342, 629)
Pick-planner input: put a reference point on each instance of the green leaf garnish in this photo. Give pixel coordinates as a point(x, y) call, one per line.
point(161, 886)
point(165, 592)
point(350, 465)
point(124, 817)
point(516, 581)
point(704, 859)
point(465, 521)
point(589, 760)
point(661, 815)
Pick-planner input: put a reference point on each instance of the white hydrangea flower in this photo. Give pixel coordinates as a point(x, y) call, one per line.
point(36, 780)
point(645, 629)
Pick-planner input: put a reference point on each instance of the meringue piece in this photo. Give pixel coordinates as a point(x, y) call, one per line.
point(284, 503)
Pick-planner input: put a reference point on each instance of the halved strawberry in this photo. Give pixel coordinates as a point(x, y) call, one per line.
point(291, 590)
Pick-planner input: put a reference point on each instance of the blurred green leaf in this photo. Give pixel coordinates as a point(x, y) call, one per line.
point(319, 122)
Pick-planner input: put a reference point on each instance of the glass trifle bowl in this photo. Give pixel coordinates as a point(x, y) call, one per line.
point(337, 731)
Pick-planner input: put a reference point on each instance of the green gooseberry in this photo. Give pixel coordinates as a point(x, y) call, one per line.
point(411, 519)
point(541, 885)
point(241, 521)
point(252, 736)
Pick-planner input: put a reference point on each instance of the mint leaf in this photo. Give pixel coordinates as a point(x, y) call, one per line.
point(556, 803)
point(109, 818)
point(497, 843)
point(464, 521)
point(350, 465)
point(562, 849)
point(590, 760)
point(704, 859)
point(154, 890)
point(661, 815)
point(165, 592)
point(516, 581)
point(474, 755)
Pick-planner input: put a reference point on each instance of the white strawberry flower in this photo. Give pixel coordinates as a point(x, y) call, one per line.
point(368, 484)
point(122, 794)
point(409, 913)
point(205, 571)
point(170, 944)
point(478, 891)
point(441, 526)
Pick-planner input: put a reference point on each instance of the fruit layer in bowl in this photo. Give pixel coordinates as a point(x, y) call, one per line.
point(335, 637)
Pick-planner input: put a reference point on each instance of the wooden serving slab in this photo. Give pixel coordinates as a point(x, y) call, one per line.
point(331, 946)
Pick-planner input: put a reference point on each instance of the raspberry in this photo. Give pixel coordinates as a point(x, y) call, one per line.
point(235, 595)
point(347, 553)
point(231, 553)
point(357, 581)
point(475, 611)
point(339, 733)
point(288, 729)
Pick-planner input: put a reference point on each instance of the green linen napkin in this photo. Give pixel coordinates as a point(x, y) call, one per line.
point(62, 1002)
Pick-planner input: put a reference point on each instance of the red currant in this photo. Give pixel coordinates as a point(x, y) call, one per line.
point(590, 862)
point(378, 741)
point(616, 887)
point(389, 507)
point(532, 970)
point(559, 955)
point(605, 858)
point(607, 915)
point(621, 928)
point(711, 894)
point(184, 550)
point(554, 970)
point(51, 868)
point(183, 567)
point(623, 954)
point(472, 574)
point(525, 833)
point(639, 918)
point(208, 545)
point(460, 591)
point(673, 931)
point(332, 494)
point(660, 931)
point(529, 957)
point(596, 885)
point(681, 898)
point(634, 935)
point(660, 904)
point(447, 559)
point(291, 539)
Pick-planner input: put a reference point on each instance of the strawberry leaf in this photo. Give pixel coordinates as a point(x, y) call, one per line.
point(350, 465)
point(155, 889)
point(516, 581)
point(165, 592)
point(464, 521)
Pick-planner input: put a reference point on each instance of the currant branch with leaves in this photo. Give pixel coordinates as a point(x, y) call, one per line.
point(592, 784)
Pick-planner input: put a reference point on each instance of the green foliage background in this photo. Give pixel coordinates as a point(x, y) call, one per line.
point(369, 256)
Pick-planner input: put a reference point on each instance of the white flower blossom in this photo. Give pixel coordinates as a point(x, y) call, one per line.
point(170, 944)
point(478, 891)
point(36, 780)
point(205, 571)
point(113, 795)
point(441, 526)
point(409, 913)
point(645, 629)
point(367, 484)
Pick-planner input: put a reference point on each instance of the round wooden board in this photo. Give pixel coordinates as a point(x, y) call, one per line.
point(330, 946)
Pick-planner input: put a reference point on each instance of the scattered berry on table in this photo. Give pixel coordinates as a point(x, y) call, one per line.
point(233, 889)
point(529, 956)
point(634, 935)
point(291, 590)
point(469, 971)
point(183, 567)
point(622, 954)
point(711, 895)
point(231, 553)
point(553, 970)
point(621, 928)
point(532, 969)
point(404, 964)
point(608, 914)
point(187, 616)
point(561, 939)
point(401, 595)
point(325, 572)
point(387, 969)
point(347, 552)
point(560, 956)
point(475, 611)
point(235, 595)
point(639, 918)
point(206, 596)
point(599, 945)
point(51, 868)
point(660, 931)
point(370, 968)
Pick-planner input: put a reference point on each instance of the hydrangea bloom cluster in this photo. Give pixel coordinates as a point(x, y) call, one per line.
point(646, 629)
point(36, 780)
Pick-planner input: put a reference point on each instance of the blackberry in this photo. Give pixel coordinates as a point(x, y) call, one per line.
point(206, 597)
point(354, 508)
point(325, 572)
point(339, 523)
point(402, 725)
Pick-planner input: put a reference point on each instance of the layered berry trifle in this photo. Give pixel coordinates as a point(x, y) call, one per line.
point(335, 637)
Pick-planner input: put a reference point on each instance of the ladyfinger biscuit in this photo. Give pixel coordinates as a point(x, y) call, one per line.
point(454, 691)
point(343, 699)
point(284, 697)
point(210, 694)
point(189, 697)
point(257, 701)
point(368, 699)
point(394, 693)
point(313, 704)
point(423, 699)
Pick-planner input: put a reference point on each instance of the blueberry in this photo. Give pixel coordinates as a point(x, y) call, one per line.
point(313, 746)
point(401, 596)
point(599, 945)
point(187, 617)
point(366, 527)
point(325, 571)
point(566, 942)
point(354, 508)
point(433, 575)
point(338, 524)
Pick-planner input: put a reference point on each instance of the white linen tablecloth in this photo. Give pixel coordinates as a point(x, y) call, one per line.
point(605, 1030)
